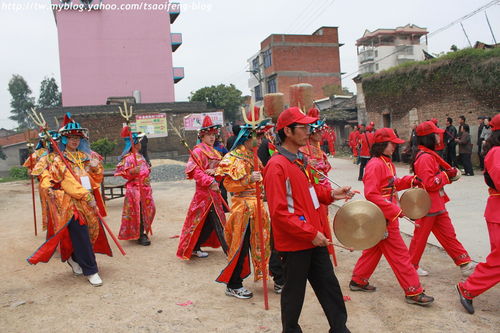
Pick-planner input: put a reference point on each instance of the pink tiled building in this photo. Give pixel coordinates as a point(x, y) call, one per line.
point(111, 48)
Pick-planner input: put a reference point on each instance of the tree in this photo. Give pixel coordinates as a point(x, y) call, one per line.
point(224, 97)
point(103, 146)
point(454, 48)
point(21, 101)
point(49, 93)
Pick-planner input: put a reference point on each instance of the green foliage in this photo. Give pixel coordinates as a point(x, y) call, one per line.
point(473, 71)
point(21, 101)
point(50, 95)
point(224, 97)
point(18, 173)
point(103, 146)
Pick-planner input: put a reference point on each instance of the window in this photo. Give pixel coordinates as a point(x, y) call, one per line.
point(255, 64)
point(376, 53)
point(267, 58)
point(376, 67)
point(258, 93)
point(271, 85)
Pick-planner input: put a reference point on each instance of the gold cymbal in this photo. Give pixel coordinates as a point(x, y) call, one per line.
point(359, 224)
point(415, 203)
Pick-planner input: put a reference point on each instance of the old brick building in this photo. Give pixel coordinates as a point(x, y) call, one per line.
point(105, 121)
point(284, 60)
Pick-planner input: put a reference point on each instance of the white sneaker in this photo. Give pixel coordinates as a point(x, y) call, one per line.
point(200, 254)
point(242, 293)
point(467, 269)
point(422, 272)
point(77, 270)
point(95, 280)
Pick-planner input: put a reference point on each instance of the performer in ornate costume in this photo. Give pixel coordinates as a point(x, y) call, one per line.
point(241, 231)
point(205, 220)
point(78, 232)
point(38, 164)
point(138, 208)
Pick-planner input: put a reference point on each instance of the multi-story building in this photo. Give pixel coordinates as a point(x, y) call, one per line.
point(284, 60)
point(384, 48)
point(116, 48)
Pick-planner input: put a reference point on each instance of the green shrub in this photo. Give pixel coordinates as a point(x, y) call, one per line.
point(18, 173)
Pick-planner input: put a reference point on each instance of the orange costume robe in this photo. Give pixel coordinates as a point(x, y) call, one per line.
point(71, 201)
point(236, 167)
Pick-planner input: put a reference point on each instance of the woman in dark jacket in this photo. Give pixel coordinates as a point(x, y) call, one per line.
point(465, 149)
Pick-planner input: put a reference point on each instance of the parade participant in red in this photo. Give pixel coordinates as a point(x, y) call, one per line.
point(435, 173)
point(299, 227)
point(365, 141)
point(319, 161)
point(328, 136)
point(138, 207)
point(205, 220)
point(487, 274)
point(440, 144)
point(381, 187)
point(353, 142)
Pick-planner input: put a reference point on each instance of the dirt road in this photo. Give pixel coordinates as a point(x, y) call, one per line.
point(142, 291)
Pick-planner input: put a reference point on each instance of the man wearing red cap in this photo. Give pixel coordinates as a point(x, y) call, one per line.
point(381, 187)
point(298, 226)
point(487, 274)
point(353, 142)
point(435, 173)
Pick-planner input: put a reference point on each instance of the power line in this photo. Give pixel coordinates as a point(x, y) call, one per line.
point(435, 32)
point(304, 11)
point(309, 16)
point(320, 13)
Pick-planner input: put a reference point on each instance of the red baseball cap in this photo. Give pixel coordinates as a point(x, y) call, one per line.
point(428, 127)
point(385, 135)
point(495, 123)
point(293, 115)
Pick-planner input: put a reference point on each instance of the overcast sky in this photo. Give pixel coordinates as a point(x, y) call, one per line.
point(220, 35)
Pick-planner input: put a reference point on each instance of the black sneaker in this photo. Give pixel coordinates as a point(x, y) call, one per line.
point(242, 293)
point(358, 287)
point(278, 288)
point(420, 299)
point(144, 240)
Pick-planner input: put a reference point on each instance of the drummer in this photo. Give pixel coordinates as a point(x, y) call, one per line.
point(435, 173)
point(380, 187)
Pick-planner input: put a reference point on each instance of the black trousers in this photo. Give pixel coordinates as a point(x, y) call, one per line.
point(466, 162)
point(83, 253)
point(363, 161)
point(236, 281)
point(480, 156)
point(276, 265)
point(211, 224)
point(451, 154)
point(311, 265)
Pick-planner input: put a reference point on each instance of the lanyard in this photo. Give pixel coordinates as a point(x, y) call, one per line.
point(76, 159)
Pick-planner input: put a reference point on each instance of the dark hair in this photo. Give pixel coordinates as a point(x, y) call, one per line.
point(449, 120)
point(236, 129)
point(462, 117)
point(281, 132)
point(378, 148)
point(428, 141)
point(492, 141)
point(466, 128)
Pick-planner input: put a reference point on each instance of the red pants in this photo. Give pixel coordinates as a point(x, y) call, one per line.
point(395, 251)
point(487, 274)
point(441, 227)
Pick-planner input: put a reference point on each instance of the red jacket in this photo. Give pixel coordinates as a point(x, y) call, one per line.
point(353, 141)
point(294, 218)
point(382, 186)
point(366, 141)
point(427, 168)
point(492, 167)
